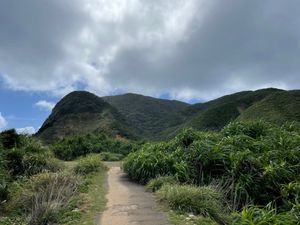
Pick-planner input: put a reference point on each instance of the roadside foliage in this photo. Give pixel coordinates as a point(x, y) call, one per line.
point(254, 166)
point(36, 188)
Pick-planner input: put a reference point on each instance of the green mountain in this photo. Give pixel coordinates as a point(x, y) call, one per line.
point(148, 116)
point(214, 115)
point(79, 113)
point(278, 107)
point(138, 116)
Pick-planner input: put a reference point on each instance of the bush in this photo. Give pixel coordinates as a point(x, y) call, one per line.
point(41, 196)
point(25, 162)
point(254, 129)
point(190, 219)
point(149, 162)
point(4, 180)
point(108, 156)
point(187, 137)
point(74, 147)
point(205, 161)
point(12, 221)
point(89, 164)
point(9, 139)
point(156, 183)
point(252, 162)
point(205, 200)
point(265, 215)
point(34, 164)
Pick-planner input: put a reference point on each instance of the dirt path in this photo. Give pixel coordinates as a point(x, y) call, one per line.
point(128, 203)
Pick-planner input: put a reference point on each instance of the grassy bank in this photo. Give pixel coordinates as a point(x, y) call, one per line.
point(246, 174)
point(93, 201)
point(90, 202)
point(37, 189)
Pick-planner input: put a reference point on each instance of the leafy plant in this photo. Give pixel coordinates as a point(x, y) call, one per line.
point(156, 183)
point(265, 215)
point(41, 196)
point(205, 200)
point(108, 156)
point(89, 164)
point(10, 139)
point(74, 147)
point(252, 162)
point(252, 129)
point(149, 162)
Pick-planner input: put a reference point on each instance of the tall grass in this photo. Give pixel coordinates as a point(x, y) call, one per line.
point(156, 183)
point(57, 193)
point(254, 163)
point(89, 164)
point(41, 196)
point(148, 163)
point(205, 200)
point(74, 147)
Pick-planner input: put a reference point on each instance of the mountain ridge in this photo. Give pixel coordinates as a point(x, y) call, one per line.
point(143, 117)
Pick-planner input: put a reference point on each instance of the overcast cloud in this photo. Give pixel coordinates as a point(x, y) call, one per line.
point(181, 48)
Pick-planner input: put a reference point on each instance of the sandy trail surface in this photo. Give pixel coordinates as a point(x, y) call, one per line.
point(129, 203)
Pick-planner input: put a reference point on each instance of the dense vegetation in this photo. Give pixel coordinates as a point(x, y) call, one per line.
point(148, 116)
point(246, 173)
point(80, 113)
point(36, 188)
point(278, 107)
point(135, 116)
point(249, 172)
point(73, 147)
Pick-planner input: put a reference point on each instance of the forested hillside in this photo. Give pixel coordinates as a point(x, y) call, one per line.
point(141, 117)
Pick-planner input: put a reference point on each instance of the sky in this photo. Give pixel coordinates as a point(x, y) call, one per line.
point(189, 50)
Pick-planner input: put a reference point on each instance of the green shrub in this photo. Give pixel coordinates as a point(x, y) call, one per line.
point(89, 164)
point(23, 162)
point(187, 137)
point(108, 156)
point(254, 129)
point(10, 139)
point(290, 195)
point(205, 200)
point(266, 215)
point(4, 181)
point(14, 162)
point(34, 164)
point(13, 221)
point(156, 183)
point(177, 218)
point(252, 162)
point(41, 196)
point(74, 147)
point(205, 161)
point(149, 162)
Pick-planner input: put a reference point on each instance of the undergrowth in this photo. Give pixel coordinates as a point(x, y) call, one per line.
point(253, 164)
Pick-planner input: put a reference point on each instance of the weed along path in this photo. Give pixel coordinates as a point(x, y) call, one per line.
point(129, 203)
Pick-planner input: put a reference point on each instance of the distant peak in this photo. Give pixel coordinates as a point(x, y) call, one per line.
point(80, 92)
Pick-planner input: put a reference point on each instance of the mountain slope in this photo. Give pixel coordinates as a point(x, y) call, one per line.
point(279, 107)
point(215, 114)
point(81, 112)
point(148, 116)
point(133, 115)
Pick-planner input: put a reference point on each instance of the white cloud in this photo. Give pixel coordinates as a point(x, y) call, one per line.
point(45, 105)
point(186, 48)
point(26, 130)
point(3, 122)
